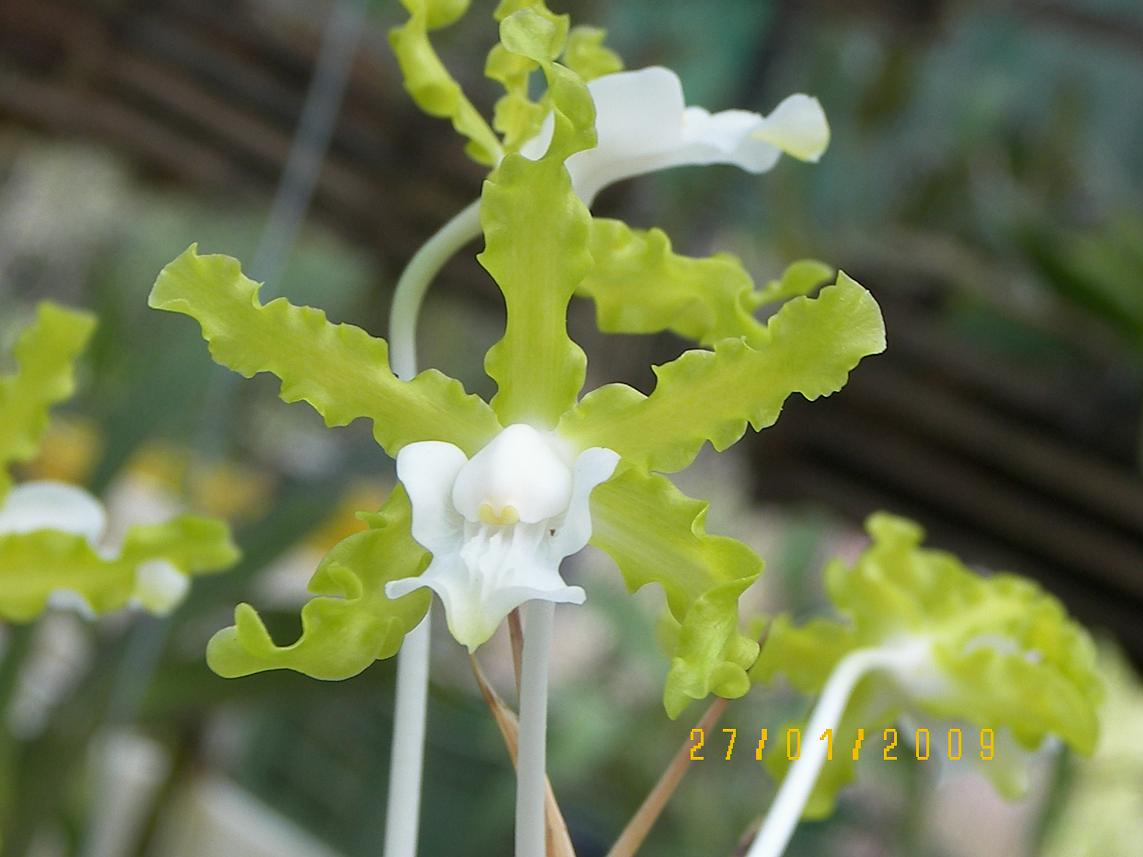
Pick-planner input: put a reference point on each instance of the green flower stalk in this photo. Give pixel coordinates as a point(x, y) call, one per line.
point(925, 635)
point(52, 546)
point(493, 496)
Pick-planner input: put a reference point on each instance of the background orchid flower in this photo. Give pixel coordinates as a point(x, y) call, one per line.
point(925, 635)
point(537, 250)
point(52, 547)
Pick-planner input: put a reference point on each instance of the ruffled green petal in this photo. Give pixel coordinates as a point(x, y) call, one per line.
point(809, 347)
point(45, 356)
point(36, 564)
point(656, 534)
point(339, 369)
point(640, 285)
point(427, 80)
point(352, 623)
point(587, 56)
point(536, 231)
point(517, 116)
point(799, 278)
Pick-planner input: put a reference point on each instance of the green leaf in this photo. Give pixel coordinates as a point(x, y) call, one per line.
point(34, 565)
point(536, 232)
point(338, 369)
point(352, 623)
point(655, 534)
point(45, 356)
point(427, 80)
point(809, 347)
point(1004, 653)
point(587, 56)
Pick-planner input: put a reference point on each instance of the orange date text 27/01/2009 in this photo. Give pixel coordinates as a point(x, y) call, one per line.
point(790, 742)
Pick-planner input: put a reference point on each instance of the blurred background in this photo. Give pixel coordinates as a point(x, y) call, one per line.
point(985, 181)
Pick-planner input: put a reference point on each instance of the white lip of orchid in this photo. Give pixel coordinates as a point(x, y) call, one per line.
point(498, 525)
point(48, 505)
point(643, 125)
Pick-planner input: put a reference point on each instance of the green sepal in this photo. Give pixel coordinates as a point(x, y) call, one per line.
point(45, 357)
point(587, 56)
point(352, 623)
point(339, 369)
point(640, 285)
point(799, 278)
point(809, 347)
point(35, 564)
point(656, 534)
point(1005, 654)
point(536, 232)
point(427, 80)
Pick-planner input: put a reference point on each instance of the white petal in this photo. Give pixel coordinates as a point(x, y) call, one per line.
point(473, 610)
point(637, 112)
point(726, 138)
point(638, 118)
point(428, 470)
point(798, 127)
point(519, 475)
point(52, 506)
point(159, 586)
point(593, 467)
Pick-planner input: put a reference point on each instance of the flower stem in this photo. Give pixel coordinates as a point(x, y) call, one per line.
point(408, 755)
point(796, 788)
point(415, 281)
point(531, 763)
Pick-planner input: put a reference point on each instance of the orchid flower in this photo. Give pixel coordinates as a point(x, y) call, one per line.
point(926, 636)
point(500, 492)
point(642, 125)
point(52, 545)
point(493, 496)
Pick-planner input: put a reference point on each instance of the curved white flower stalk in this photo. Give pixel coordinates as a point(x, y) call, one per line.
point(925, 636)
point(498, 524)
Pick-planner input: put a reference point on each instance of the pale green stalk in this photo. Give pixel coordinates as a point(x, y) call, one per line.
point(796, 788)
point(531, 762)
point(406, 763)
point(415, 281)
point(408, 754)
